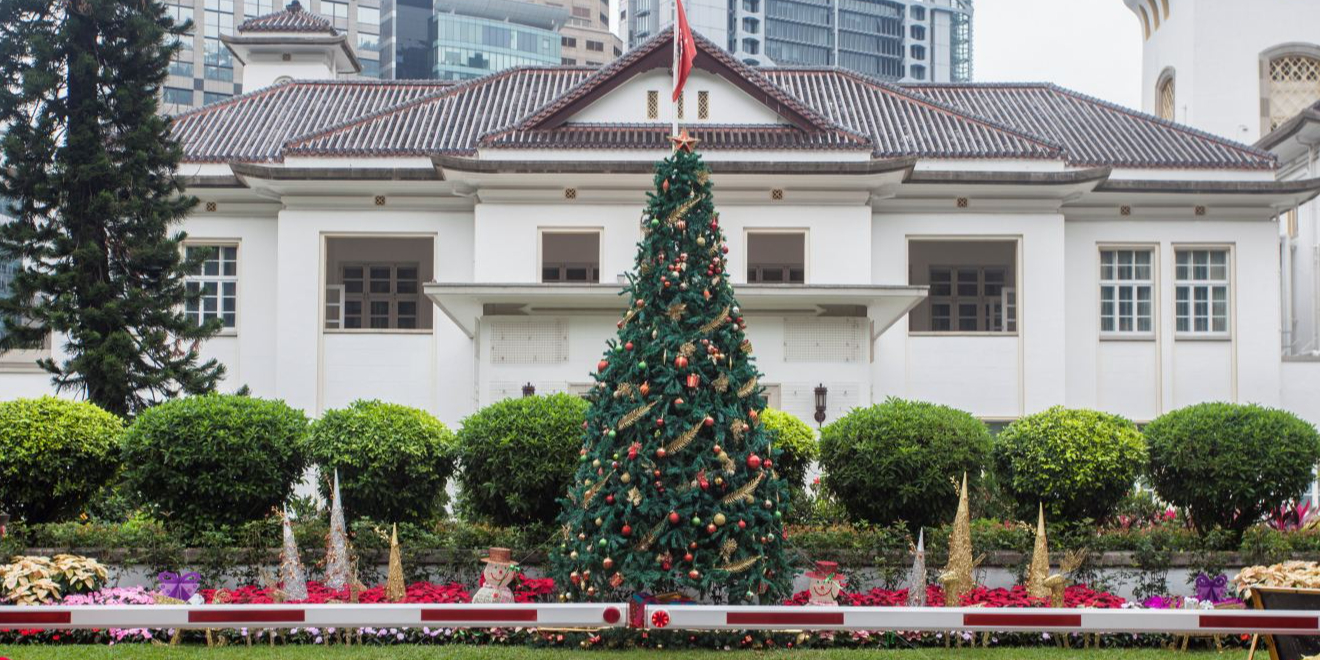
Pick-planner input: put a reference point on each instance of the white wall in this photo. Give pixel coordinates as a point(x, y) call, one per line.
point(1143, 378)
point(989, 375)
point(1215, 48)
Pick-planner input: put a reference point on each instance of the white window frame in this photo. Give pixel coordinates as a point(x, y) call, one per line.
point(218, 280)
point(785, 268)
point(1010, 299)
point(540, 254)
point(1134, 285)
point(1209, 285)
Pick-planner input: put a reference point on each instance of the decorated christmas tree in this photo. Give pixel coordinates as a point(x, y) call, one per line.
point(676, 488)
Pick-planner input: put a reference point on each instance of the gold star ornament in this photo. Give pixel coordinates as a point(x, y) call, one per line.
point(684, 142)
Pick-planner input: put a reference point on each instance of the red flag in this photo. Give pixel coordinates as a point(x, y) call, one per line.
point(685, 49)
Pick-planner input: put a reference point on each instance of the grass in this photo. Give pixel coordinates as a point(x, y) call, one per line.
point(408, 652)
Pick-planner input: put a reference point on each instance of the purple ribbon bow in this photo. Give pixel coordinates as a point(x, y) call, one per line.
point(1211, 588)
point(180, 586)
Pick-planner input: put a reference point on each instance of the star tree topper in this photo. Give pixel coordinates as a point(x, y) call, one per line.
point(684, 142)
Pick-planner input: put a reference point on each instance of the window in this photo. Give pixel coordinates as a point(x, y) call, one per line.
point(918, 13)
point(652, 104)
point(214, 97)
point(678, 104)
point(567, 61)
point(751, 25)
point(375, 283)
point(1126, 292)
point(703, 105)
point(752, 6)
point(779, 257)
point(1201, 292)
point(1164, 103)
point(918, 32)
point(178, 96)
point(972, 286)
point(1294, 85)
point(582, 12)
point(918, 52)
point(751, 46)
point(215, 283)
point(368, 17)
point(597, 46)
point(336, 11)
point(918, 71)
point(568, 42)
point(570, 256)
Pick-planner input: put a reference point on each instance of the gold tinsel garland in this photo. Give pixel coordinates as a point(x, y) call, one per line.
point(683, 209)
point(676, 311)
point(645, 543)
point(636, 414)
point(727, 549)
point(595, 488)
point(683, 440)
point(629, 316)
point(719, 320)
point(721, 384)
point(744, 491)
point(747, 388)
point(727, 463)
point(740, 566)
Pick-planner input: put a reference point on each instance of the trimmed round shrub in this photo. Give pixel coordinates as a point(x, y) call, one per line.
point(796, 443)
point(54, 455)
point(518, 457)
point(393, 460)
point(213, 460)
point(898, 460)
point(1229, 464)
point(1078, 463)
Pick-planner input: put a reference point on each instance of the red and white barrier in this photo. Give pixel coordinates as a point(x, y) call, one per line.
point(532, 615)
point(713, 617)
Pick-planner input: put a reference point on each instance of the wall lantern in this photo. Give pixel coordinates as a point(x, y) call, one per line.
point(821, 392)
point(529, 389)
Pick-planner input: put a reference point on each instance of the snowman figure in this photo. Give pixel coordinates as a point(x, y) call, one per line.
point(496, 577)
point(826, 584)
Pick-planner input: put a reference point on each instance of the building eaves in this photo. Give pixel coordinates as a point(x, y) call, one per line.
point(1288, 129)
point(293, 18)
point(449, 162)
point(714, 137)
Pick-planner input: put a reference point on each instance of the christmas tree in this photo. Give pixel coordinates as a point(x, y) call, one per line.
point(676, 488)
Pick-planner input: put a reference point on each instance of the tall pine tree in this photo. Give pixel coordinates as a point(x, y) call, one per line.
point(90, 170)
point(676, 488)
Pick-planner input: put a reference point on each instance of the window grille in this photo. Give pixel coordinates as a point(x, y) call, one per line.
point(703, 105)
point(1126, 292)
point(1165, 105)
point(653, 105)
point(215, 283)
point(1294, 86)
point(1201, 292)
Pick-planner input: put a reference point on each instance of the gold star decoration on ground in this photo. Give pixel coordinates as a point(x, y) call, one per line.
point(684, 141)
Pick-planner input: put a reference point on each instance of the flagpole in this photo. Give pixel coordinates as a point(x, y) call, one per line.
point(673, 75)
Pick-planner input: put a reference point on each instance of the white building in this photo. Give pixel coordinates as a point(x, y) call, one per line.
point(999, 248)
point(1250, 72)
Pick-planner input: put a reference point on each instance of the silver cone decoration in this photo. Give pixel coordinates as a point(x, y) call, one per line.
point(917, 578)
point(291, 568)
point(336, 553)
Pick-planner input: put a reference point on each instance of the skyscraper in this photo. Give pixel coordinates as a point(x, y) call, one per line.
point(916, 40)
point(205, 71)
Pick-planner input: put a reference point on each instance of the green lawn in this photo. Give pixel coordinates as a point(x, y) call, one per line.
point(405, 652)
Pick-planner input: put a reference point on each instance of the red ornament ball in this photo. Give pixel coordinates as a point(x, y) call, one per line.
point(609, 499)
point(660, 421)
point(694, 574)
point(673, 517)
point(626, 530)
point(681, 362)
point(710, 528)
point(660, 453)
point(687, 557)
point(716, 450)
point(628, 346)
point(754, 462)
point(742, 524)
point(664, 185)
point(600, 366)
point(709, 421)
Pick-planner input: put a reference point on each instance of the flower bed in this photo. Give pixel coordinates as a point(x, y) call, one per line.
point(1078, 595)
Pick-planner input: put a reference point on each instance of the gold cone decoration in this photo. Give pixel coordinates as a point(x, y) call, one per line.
point(1039, 571)
point(957, 576)
point(291, 568)
point(395, 592)
point(337, 553)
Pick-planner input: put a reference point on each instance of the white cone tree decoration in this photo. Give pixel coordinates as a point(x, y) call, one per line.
point(337, 571)
point(291, 568)
point(917, 578)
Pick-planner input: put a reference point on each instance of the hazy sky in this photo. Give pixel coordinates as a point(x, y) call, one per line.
point(1092, 46)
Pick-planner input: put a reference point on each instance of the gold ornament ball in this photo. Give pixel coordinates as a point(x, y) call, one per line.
point(573, 555)
point(720, 520)
point(599, 522)
point(625, 477)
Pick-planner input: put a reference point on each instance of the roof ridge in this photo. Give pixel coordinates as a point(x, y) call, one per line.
point(292, 144)
point(946, 108)
point(298, 19)
point(278, 86)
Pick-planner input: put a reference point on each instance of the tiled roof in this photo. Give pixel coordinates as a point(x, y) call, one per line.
point(903, 124)
point(828, 108)
point(293, 18)
point(653, 136)
point(449, 121)
point(255, 126)
point(1095, 132)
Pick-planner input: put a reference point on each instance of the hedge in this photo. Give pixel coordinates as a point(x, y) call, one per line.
point(1078, 463)
point(54, 455)
point(393, 461)
point(898, 460)
point(518, 457)
point(1229, 464)
point(214, 460)
point(796, 443)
